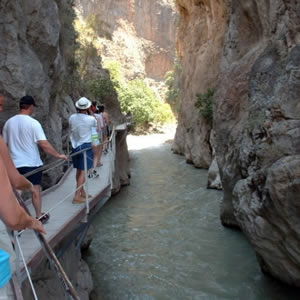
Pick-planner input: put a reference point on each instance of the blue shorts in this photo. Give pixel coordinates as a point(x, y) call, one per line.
point(78, 160)
point(36, 178)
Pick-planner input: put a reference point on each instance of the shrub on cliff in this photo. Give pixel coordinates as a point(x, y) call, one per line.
point(173, 81)
point(204, 103)
point(100, 87)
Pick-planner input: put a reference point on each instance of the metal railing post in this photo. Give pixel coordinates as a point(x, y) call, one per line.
point(18, 260)
point(26, 268)
point(68, 150)
point(86, 186)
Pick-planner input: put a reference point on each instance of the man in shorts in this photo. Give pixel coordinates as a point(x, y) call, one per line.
point(11, 213)
point(24, 135)
point(81, 125)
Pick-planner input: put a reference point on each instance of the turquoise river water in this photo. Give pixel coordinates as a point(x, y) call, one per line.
point(161, 238)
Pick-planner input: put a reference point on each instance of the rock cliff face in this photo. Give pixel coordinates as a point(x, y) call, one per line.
point(257, 126)
point(34, 49)
point(256, 121)
point(199, 43)
point(142, 34)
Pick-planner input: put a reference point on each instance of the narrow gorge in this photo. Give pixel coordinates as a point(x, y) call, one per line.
point(243, 57)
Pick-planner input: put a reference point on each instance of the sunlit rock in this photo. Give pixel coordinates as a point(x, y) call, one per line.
point(141, 35)
point(199, 44)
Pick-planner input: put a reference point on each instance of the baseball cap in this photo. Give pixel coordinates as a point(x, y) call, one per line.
point(27, 100)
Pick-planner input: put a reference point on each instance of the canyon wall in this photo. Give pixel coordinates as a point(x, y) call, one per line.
point(199, 44)
point(256, 119)
point(140, 34)
point(36, 50)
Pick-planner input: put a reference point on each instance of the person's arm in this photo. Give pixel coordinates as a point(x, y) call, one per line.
point(11, 213)
point(15, 178)
point(98, 124)
point(41, 140)
point(46, 146)
point(106, 118)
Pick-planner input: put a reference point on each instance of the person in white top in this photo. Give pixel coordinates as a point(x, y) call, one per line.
point(106, 129)
point(24, 135)
point(81, 125)
point(11, 213)
point(100, 121)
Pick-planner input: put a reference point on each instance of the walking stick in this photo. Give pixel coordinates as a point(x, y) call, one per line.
point(69, 289)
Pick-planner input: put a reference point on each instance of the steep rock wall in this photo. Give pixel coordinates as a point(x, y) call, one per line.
point(143, 34)
point(256, 119)
point(257, 130)
point(35, 41)
point(199, 43)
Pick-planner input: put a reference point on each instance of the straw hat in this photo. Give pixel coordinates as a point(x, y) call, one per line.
point(83, 103)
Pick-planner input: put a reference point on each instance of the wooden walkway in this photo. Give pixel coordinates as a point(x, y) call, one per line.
point(64, 215)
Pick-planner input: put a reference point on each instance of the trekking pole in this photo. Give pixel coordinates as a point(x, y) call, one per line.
point(69, 289)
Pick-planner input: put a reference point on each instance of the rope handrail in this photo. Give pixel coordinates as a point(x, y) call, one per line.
point(69, 288)
point(59, 162)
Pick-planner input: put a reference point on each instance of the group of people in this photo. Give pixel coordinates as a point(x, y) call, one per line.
point(19, 154)
point(88, 129)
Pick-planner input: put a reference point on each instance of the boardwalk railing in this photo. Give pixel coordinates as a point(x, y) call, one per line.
point(46, 168)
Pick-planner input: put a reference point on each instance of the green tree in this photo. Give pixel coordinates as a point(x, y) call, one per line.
point(137, 98)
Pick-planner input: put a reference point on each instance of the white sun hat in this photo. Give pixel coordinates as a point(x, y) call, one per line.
point(83, 103)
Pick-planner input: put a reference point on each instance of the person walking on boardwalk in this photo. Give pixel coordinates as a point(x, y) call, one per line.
point(100, 120)
point(11, 213)
point(24, 135)
point(96, 131)
point(106, 129)
point(81, 125)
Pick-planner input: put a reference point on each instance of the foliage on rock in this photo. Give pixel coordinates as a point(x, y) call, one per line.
point(173, 81)
point(204, 103)
point(139, 99)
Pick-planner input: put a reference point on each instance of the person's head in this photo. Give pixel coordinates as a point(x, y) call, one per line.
point(83, 104)
point(101, 108)
point(2, 99)
point(94, 106)
point(27, 104)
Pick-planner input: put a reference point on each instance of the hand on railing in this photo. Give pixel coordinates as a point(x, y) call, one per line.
point(62, 156)
point(37, 225)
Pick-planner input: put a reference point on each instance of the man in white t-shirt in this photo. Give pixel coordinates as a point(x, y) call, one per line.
point(23, 134)
point(81, 125)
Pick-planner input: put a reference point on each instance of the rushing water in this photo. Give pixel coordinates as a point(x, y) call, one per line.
point(161, 238)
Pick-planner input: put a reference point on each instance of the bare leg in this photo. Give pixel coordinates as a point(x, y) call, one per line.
point(100, 154)
point(37, 201)
point(80, 179)
point(96, 150)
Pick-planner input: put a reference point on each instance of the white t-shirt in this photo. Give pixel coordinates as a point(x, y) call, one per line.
point(100, 118)
point(81, 129)
point(22, 134)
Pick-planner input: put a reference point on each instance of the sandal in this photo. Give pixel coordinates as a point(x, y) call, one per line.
point(95, 174)
point(83, 195)
point(44, 218)
point(78, 200)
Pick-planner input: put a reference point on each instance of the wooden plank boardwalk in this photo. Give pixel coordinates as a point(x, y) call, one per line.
point(64, 215)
